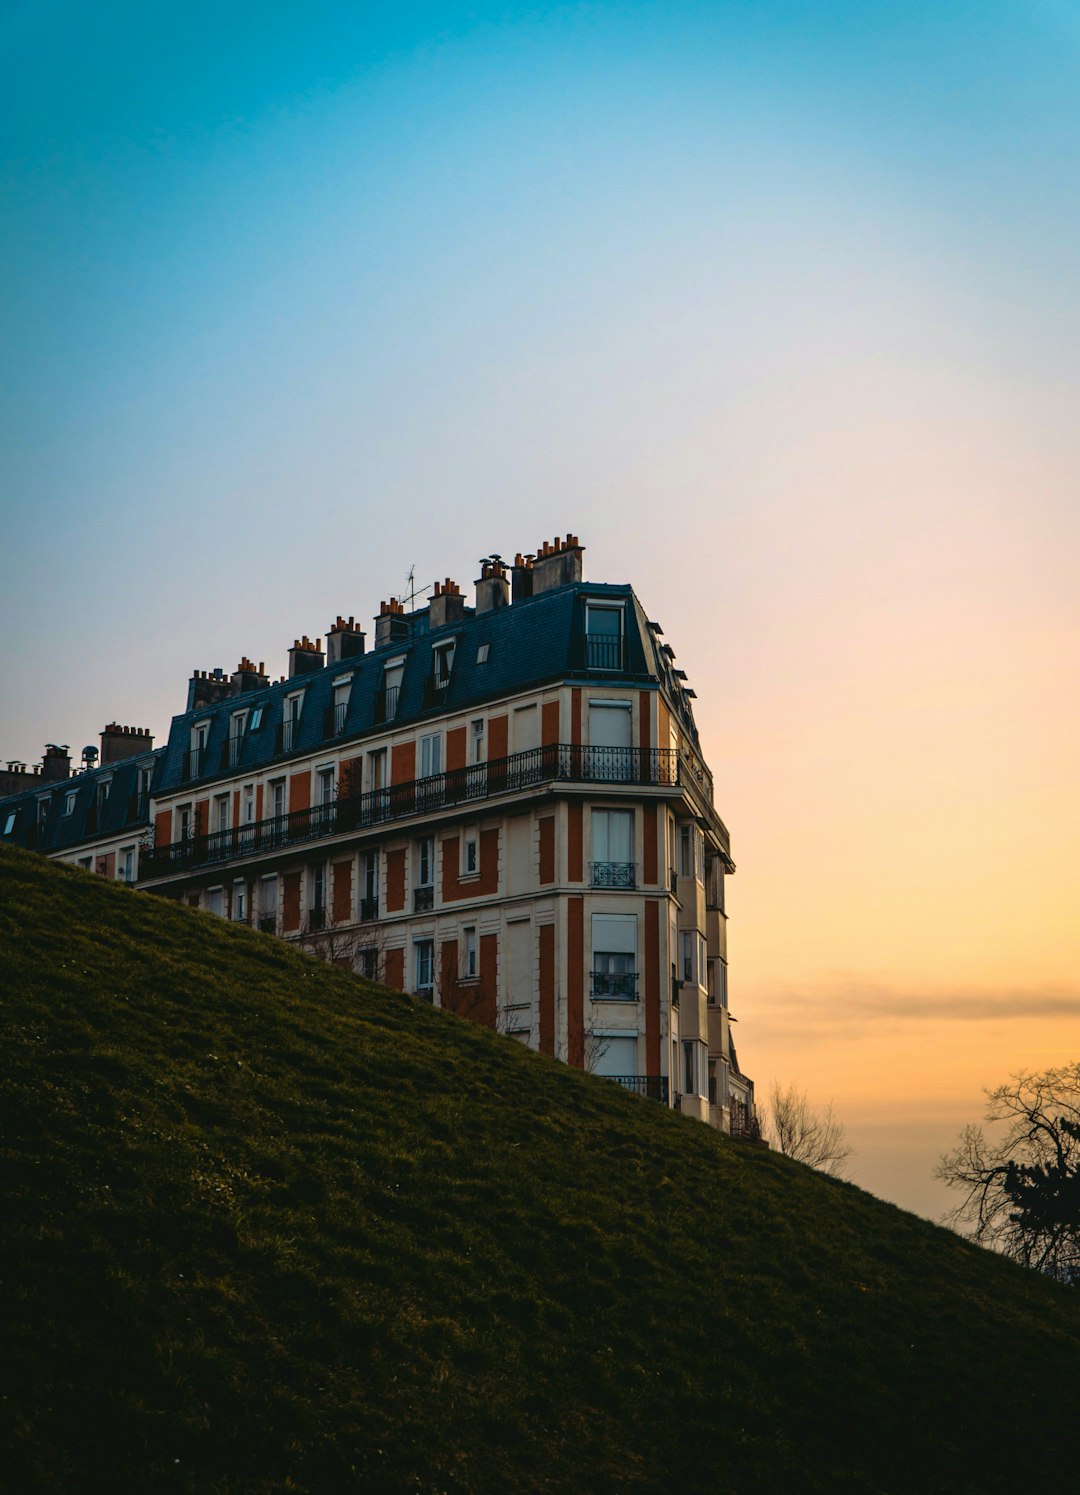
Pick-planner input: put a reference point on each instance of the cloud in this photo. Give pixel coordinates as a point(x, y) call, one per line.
point(848, 1004)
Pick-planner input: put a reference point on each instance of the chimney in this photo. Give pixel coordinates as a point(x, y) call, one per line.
point(124, 742)
point(207, 687)
point(247, 677)
point(344, 641)
point(557, 564)
point(523, 581)
point(493, 588)
point(391, 624)
point(305, 657)
point(56, 763)
point(446, 605)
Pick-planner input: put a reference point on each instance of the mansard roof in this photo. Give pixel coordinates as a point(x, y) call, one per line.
point(123, 811)
point(534, 641)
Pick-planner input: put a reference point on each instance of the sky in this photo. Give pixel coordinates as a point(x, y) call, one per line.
point(776, 305)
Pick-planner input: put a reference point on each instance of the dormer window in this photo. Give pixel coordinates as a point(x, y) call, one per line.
point(393, 674)
point(604, 636)
point(237, 725)
point(256, 719)
point(444, 663)
point(290, 721)
point(69, 803)
point(339, 710)
point(196, 759)
point(483, 653)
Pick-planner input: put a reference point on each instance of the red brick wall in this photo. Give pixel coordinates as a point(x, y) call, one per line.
point(259, 802)
point(652, 988)
point(644, 720)
point(300, 790)
point(350, 777)
point(547, 848)
point(575, 850)
point(342, 907)
point(394, 969)
point(290, 901)
point(453, 887)
point(236, 808)
point(202, 815)
point(488, 1007)
point(448, 975)
point(455, 749)
point(402, 762)
point(549, 729)
point(649, 868)
point(547, 988)
point(575, 981)
point(395, 882)
point(498, 737)
point(163, 827)
point(575, 715)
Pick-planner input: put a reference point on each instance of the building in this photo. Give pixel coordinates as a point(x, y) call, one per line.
point(502, 808)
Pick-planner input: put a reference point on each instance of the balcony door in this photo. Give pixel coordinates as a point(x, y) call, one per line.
point(610, 734)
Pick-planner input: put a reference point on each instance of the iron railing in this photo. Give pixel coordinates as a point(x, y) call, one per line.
point(613, 874)
point(316, 919)
point(603, 651)
point(386, 703)
point(655, 1087)
point(268, 923)
point(556, 762)
point(620, 985)
point(369, 909)
point(334, 719)
point(423, 900)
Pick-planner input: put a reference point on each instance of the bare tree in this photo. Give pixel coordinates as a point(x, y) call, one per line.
point(802, 1131)
point(1021, 1188)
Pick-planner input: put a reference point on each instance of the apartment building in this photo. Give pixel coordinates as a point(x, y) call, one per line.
point(501, 808)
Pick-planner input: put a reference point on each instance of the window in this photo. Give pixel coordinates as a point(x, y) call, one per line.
point(369, 906)
point(424, 892)
point(196, 763)
point(268, 898)
point(425, 967)
point(69, 803)
point(215, 902)
point(688, 950)
point(686, 852)
point(325, 788)
point(610, 755)
point(340, 708)
point(42, 813)
point(477, 731)
point(483, 653)
point(126, 864)
point(256, 719)
point(221, 813)
point(443, 663)
point(603, 635)
point(142, 785)
point(237, 723)
point(470, 852)
point(689, 1050)
point(376, 769)
point(290, 725)
point(249, 804)
point(239, 902)
point(102, 798)
point(393, 673)
point(614, 962)
point(86, 863)
point(183, 823)
point(712, 1082)
point(430, 755)
point(468, 965)
point(369, 962)
point(277, 799)
point(613, 849)
point(317, 886)
point(9, 823)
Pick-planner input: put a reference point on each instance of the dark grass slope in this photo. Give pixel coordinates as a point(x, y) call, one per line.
point(268, 1228)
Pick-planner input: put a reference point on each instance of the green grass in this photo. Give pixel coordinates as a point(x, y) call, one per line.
point(270, 1228)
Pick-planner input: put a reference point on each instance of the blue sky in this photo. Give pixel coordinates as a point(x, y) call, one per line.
point(776, 305)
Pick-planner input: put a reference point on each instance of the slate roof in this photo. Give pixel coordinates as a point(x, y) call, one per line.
point(123, 812)
point(536, 640)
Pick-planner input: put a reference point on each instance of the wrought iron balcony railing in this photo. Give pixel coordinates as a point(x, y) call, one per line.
point(603, 651)
point(386, 704)
point(316, 919)
point(653, 1086)
point(613, 874)
point(268, 923)
point(423, 899)
point(619, 986)
point(334, 719)
point(555, 763)
point(194, 763)
point(369, 909)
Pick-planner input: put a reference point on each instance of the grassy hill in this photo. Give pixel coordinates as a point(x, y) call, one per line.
point(269, 1228)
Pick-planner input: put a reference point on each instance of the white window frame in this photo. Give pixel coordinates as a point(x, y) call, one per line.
point(291, 712)
point(478, 737)
point(430, 755)
point(483, 653)
point(469, 967)
point(424, 956)
point(470, 840)
point(239, 901)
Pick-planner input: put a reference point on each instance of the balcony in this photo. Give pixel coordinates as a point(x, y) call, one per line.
point(654, 1087)
point(555, 763)
point(613, 874)
point(423, 900)
point(334, 719)
point(369, 909)
point(435, 690)
point(603, 651)
point(316, 919)
point(386, 704)
point(615, 986)
point(194, 763)
point(268, 923)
